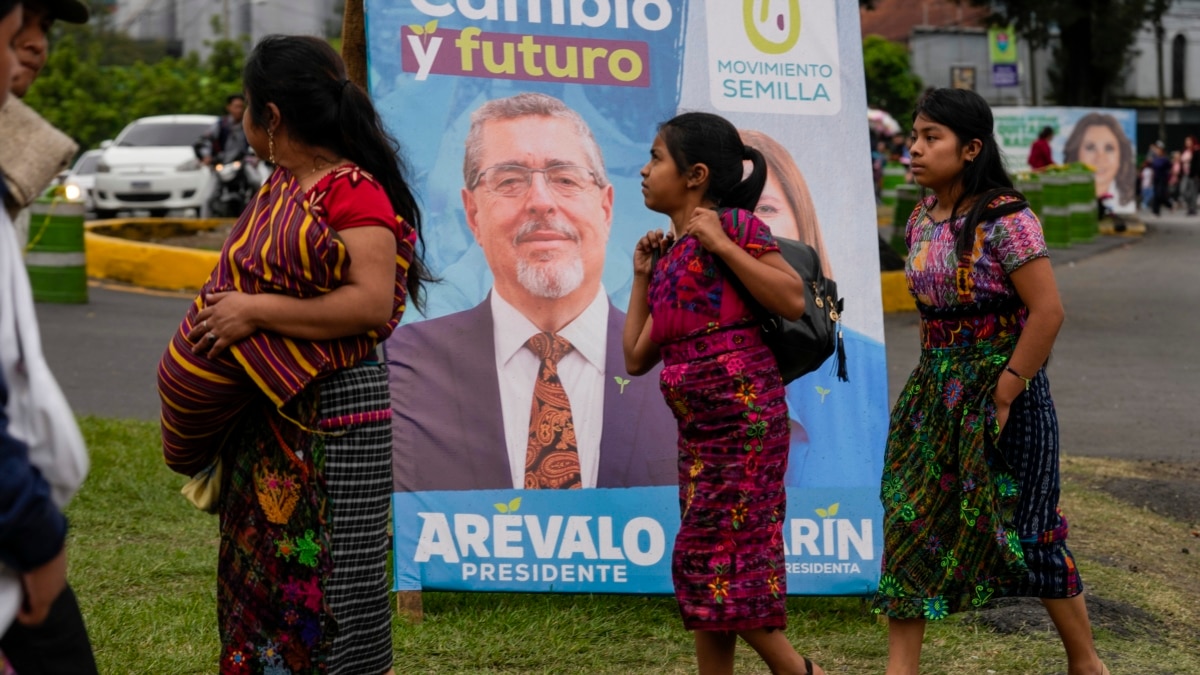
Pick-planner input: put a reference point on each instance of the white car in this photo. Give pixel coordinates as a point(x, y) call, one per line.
point(152, 165)
point(80, 181)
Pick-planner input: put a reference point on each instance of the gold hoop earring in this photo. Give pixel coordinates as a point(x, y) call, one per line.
point(271, 146)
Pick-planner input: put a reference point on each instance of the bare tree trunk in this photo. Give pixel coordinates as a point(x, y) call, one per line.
point(1159, 34)
point(354, 42)
point(1075, 40)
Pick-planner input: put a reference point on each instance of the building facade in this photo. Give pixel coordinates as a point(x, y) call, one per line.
point(190, 25)
point(948, 45)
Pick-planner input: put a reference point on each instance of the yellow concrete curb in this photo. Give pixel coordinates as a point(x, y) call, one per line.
point(1133, 228)
point(896, 297)
point(170, 268)
point(173, 268)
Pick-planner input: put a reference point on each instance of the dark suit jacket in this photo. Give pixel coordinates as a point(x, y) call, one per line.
point(447, 426)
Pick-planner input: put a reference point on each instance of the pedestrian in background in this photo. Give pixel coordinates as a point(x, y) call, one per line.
point(688, 310)
point(1190, 174)
point(971, 471)
point(1146, 183)
point(1160, 165)
point(1040, 154)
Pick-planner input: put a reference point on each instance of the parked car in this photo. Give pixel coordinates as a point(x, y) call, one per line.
point(80, 180)
point(151, 165)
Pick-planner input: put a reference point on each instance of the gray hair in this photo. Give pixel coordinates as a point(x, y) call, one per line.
point(528, 104)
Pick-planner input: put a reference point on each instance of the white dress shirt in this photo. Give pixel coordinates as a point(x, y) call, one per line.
point(581, 372)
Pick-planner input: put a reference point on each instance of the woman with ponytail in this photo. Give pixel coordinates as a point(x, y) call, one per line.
point(689, 308)
point(971, 480)
point(271, 387)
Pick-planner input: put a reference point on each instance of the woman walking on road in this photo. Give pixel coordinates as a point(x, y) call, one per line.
point(316, 273)
point(722, 383)
point(971, 479)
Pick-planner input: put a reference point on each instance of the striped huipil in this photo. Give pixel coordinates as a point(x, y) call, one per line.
point(277, 246)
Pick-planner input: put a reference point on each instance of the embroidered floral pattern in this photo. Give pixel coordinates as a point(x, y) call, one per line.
point(274, 555)
point(1005, 245)
point(722, 384)
point(948, 512)
point(277, 493)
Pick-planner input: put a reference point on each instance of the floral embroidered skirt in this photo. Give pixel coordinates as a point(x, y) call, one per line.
point(969, 517)
point(727, 396)
point(278, 604)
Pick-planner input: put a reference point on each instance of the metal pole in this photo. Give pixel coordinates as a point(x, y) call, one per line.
point(225, 19)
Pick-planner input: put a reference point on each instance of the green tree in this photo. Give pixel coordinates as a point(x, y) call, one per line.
point(891, 84)
point(1095, 40)
point(84, 94)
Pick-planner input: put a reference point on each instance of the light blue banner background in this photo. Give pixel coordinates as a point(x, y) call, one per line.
point(839, 428)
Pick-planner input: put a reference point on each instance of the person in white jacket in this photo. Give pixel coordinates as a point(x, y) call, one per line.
point(42, 457)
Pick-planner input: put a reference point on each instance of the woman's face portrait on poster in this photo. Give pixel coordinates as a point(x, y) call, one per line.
point(774, 210)
point(1101, 150)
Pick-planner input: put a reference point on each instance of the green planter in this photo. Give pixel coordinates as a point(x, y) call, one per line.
point(1056, 226)
point(893, 176)
point(55, 257)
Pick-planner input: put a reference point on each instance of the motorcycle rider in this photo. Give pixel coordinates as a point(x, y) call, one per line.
point(225, 143)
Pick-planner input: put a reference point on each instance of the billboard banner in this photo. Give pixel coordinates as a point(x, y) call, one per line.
point(525, 124)
point(1103, 138)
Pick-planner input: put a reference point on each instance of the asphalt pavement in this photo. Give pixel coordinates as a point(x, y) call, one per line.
point(1123, 373)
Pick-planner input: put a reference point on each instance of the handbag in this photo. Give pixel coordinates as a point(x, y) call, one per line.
point(204, 489)
point(802, 345)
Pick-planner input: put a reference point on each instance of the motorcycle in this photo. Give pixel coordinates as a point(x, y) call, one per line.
point(237, 182)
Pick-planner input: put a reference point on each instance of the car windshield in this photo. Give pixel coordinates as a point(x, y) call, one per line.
point(151, 135)
point(86, 165)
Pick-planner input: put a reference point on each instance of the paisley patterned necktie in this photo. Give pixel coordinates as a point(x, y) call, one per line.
point(552, 456)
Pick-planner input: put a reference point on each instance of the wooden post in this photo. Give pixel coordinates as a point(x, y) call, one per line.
point(408, 605)
point(354, 42)
point(354, 53)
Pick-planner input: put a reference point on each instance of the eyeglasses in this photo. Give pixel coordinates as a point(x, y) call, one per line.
point(513, 180)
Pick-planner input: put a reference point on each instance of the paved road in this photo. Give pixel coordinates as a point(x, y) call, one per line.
point(1124, 370)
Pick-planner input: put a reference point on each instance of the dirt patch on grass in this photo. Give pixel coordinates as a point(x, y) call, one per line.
point(1170, 489)
point(1009, 616)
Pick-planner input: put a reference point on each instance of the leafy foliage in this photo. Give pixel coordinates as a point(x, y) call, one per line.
point(891, 83)
point(1095, 40)
point(88, 96)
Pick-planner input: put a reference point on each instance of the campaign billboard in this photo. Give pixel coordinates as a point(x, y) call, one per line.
point(554, 104)
point(1103, 138)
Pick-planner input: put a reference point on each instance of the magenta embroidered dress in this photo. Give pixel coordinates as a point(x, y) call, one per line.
point(723, 386)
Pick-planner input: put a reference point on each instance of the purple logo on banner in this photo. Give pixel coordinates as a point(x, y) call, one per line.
point(1004, 75)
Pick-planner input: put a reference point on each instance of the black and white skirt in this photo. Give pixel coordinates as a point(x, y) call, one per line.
point(355, 409)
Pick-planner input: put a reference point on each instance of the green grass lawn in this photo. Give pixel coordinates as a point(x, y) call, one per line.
point(143, 563)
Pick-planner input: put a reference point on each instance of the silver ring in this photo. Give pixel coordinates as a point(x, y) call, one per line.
point(212, 337)
point(204, 324)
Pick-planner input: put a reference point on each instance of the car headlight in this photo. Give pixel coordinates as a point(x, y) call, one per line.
point(103, 167)
point(72, 192)
point(190, 165)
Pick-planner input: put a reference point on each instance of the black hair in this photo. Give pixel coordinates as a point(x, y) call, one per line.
point(235, 97)
point(703, 138)
point(7, 6)
point(306, 79)
point(985, 178)
point(1046, 132)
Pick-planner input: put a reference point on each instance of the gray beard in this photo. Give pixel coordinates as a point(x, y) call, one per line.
point(549, 276)
point(550, 279)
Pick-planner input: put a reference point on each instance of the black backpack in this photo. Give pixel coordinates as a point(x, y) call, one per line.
point(801, 346)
